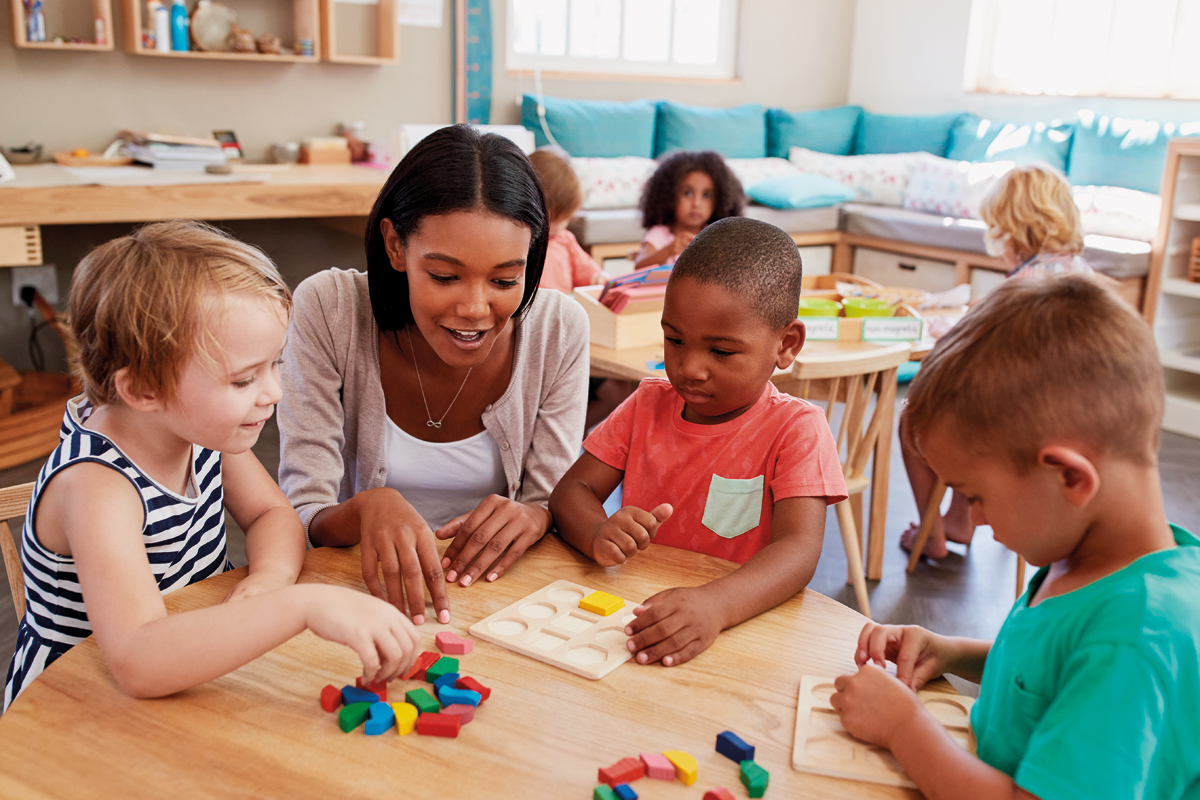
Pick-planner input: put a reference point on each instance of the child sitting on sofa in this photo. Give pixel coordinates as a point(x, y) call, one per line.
point(567, 264)
point(689, 190)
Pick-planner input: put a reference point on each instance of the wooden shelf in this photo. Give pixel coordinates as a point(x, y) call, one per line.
point(1182, 411)
point(387, 50)
point(202, 54)
point(101, 10)
point(305, 26)
point(1181, 288)
point(1182, 360)
point(1189, 212)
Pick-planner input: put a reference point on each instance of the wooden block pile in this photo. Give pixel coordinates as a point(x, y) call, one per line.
point(676, 764)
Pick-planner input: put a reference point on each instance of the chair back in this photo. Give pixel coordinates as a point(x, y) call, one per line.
point(14, 502)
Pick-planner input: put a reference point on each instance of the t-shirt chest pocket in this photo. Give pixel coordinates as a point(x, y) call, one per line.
point(734, 506)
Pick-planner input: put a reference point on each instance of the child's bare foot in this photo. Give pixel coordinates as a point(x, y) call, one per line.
point(935, 545)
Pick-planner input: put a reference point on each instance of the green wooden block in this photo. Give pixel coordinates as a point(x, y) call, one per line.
point(602, 792)
point(353, 715)
point(444, 666)
point(754, 778)
point(423, 701)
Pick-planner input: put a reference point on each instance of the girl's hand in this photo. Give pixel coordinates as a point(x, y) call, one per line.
point(259, 583)
point(874, 706)
point(396, 540)
point(624, 533)
point(491, 538)
point(919, 655)
point(384, 639)
point(674, 626)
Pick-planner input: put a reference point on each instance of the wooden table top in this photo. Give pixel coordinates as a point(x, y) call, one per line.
point(544, 733)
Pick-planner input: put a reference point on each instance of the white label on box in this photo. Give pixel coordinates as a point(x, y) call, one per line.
point(820, 329)
point(891, 329)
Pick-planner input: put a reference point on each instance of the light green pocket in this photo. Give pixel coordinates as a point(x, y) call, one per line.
point(734, 506)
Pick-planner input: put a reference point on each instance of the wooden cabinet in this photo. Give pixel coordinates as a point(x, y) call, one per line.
point(305, 24)
point(99, 27)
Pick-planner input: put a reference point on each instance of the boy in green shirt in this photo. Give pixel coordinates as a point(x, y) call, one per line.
point(1043, 407)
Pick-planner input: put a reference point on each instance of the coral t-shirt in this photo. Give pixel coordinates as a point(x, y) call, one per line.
point(567, 264)
point(722, 480)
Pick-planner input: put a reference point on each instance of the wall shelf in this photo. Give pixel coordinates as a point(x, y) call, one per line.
point(101, 10)
point(305, 26)
point(386, 45)
point(1181, 287)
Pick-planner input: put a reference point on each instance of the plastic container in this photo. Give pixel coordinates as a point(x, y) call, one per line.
point(162, 26)
point(818, 307)
point(868, 307)
point(179, 27)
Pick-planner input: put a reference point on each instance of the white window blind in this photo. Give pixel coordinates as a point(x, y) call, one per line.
point(680, 38)
point(1114, 48)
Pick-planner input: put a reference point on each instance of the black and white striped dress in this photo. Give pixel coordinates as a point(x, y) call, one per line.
point(184, 538)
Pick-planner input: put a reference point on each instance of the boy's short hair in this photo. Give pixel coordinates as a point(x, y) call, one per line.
point(559, 183)
point(136, 303)
point(1043, 359)
point(750, 258)
point(1033, 205)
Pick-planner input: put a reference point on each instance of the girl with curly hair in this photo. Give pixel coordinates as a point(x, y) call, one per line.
point(688, 191)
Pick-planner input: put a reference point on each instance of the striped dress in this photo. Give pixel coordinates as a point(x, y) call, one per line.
point(184, 538)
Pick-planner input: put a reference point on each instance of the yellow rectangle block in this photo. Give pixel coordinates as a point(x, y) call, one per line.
point(601, 603)
point(685, 766)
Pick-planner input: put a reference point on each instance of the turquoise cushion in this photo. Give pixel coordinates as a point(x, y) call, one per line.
point(1112, 151)
point(830, 130)
point(975, 139)
point(739, 132)
point(800, 191)
point(891, 133)
point(594, 128)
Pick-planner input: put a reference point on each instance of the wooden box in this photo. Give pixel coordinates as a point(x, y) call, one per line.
point(20, 246)
point(638, 325)
point(1194, 262)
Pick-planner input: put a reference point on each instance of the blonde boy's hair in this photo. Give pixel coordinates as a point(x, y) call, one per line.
point(559, 183)
point(1056, 359)
point(1033, 206)
point(137, 303)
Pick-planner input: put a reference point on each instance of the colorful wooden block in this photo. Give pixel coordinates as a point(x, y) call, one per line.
point(474, 686)
point(685, 766)
point(730, 745)
point(451, 696)
point(423, 701)
point(658, 766)
point(718, 793)
point(624, 771)
point(461, 709)
point(446, 725)
point(423, 662)
point(754, 778)
point(378, 687)
point(448, 679)
point(453, 644)
point(443, 666)
point(406, 717)
point(382, 718)
point(331, 698)
point(602, 792)
point(353, 714)
point(353, 695)
point(625, 791)
point(601, 603)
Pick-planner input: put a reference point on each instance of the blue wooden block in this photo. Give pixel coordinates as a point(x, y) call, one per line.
point(449, 696)
point(382, 719)
point(446, 680)
point(351, 694)
point(625, 791)
point(730, 745)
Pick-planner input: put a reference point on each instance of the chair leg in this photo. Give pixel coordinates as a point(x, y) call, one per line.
point(1020, 575)
point(931, 509)
point(850, 538)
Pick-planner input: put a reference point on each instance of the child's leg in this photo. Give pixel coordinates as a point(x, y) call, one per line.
point(922, 480)
point(956, 522)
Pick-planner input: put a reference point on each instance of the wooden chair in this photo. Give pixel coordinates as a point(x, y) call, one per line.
point(14, 502)
point(931, 510)
point(851, 377)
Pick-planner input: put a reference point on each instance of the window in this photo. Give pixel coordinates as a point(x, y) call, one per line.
point(1114, 48)
point(670, 38)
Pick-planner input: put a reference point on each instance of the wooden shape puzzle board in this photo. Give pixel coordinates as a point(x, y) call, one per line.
point(550, 626)
point(823, 747)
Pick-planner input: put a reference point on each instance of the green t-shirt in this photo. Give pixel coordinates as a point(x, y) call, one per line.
point(1096, 693)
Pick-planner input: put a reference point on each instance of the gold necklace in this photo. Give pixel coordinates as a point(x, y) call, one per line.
point(430, 423)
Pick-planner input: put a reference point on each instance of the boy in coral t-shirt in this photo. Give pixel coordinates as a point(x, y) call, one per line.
point(715, 459)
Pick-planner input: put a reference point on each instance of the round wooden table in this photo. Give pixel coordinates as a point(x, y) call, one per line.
point(544, 733)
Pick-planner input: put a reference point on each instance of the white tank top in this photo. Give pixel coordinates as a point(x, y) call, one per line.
point(442, 480)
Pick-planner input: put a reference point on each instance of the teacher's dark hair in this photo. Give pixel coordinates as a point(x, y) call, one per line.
point(452, 169)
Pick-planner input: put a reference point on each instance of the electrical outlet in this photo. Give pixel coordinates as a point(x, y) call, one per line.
point(43, 278)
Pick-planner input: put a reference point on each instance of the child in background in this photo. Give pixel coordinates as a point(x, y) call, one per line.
point(567, 264)
point(688, 191)
point(1034, 227)
point(714, 459)
point(179, 331)
point(1043, 406)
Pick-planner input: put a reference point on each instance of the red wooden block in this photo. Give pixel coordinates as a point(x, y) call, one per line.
point(331, 698)
point(439, 725)
point(626, 770)
point(378, 687)
point(423, 662)
point(452, 644)
point(463, 710)
point(719, 793)
point(473, 685)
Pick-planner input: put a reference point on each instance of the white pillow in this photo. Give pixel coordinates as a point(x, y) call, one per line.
point(756, 170)
point(878, 179)
point(1116, 211)
point(612, 182)
point(951, 188)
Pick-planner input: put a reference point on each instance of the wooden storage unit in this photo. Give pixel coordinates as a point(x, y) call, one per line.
point(20, 246)
point(101, 10)
point(387, 49)
point(894, 269)
point(639, 324)
point(305, 26)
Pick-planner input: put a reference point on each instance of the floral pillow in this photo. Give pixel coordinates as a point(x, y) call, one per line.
point(1116, 211)
point(756, 170)
point(612, 182)
point(878, 179)
point(951, 188)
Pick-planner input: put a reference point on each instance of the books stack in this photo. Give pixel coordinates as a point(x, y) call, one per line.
point(172, 152)
point(629, 292)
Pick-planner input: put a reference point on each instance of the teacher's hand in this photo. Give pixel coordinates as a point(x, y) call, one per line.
point(397, 541)
point(492, 538)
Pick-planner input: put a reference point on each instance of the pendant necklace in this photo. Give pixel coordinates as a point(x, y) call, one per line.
point(430, 422)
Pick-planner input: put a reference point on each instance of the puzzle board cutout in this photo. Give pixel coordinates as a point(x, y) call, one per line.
point(549, 626)
point(823, 747)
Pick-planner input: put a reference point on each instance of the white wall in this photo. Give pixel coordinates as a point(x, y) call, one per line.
point(908, 58)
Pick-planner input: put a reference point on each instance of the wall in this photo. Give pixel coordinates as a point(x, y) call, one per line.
point(907, 58)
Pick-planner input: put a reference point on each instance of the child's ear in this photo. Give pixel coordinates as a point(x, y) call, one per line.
point(790, 344)
point(134, 393)
point(392, 244)
point(1077, 476)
